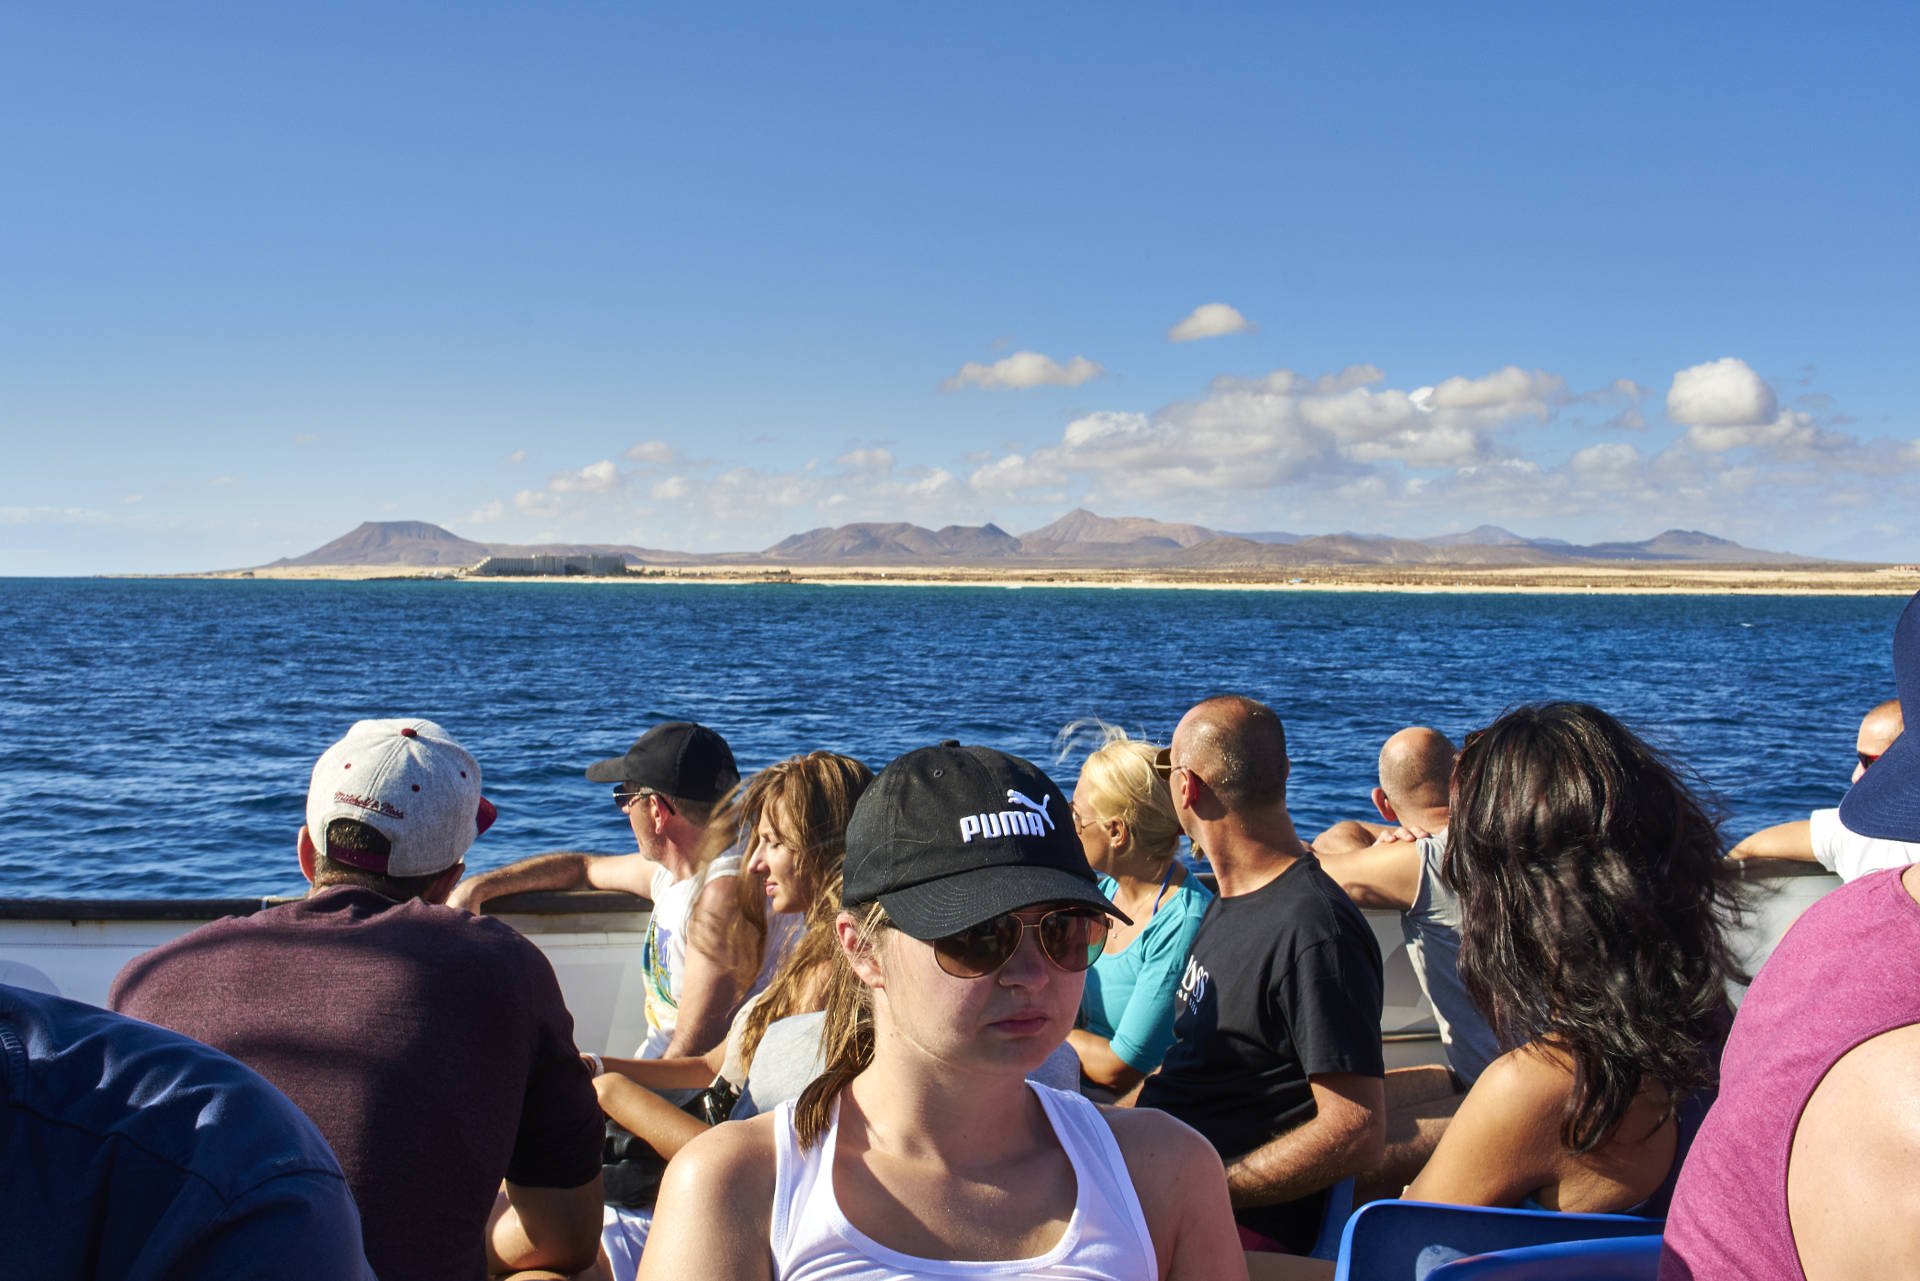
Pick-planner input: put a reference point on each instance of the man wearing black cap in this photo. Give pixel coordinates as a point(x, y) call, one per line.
point(668, 785)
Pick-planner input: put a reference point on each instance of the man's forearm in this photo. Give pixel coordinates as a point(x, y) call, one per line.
point(1302, 1161)
point(566, 871)
point(1787, 840)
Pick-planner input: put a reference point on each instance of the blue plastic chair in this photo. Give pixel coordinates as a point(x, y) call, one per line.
point(1621, 1259)
point(1406, 1240)
point(1333, 1224)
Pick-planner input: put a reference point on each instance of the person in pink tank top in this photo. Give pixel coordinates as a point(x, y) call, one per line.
point(1809, 1164)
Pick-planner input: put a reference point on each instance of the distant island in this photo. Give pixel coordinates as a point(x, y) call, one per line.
point(1084, 548)
point(1079, 539)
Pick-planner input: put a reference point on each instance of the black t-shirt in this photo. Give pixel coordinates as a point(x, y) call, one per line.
point(1281, 984)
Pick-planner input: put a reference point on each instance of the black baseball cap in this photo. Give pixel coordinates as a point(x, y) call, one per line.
point(681, 759)
point(1885, 803)
point(948, 837)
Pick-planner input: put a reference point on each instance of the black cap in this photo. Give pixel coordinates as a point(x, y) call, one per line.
point(947, 837)
point(1885, 803)
point(679, 758)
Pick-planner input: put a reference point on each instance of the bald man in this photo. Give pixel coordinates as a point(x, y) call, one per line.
point(1397, 866)
point(1276, 1057)
point(1821, 837)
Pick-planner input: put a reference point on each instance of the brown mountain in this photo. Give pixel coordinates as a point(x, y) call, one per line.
point(395, 542)
point(1081, 527)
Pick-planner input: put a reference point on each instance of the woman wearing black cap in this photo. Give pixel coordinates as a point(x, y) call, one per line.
point(921, 1150)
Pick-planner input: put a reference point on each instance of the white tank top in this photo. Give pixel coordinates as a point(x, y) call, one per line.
point(1105, 1240)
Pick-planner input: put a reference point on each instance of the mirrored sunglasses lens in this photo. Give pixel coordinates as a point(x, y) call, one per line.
point(979, 950)
point(1073, 939)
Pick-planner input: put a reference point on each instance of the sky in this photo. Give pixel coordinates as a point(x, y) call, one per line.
point(702, 277)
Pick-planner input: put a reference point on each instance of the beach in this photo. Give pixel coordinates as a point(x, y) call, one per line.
point(1636, 580)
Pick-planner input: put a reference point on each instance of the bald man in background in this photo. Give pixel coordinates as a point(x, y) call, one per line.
point(1821, 837)
point(1396, 866)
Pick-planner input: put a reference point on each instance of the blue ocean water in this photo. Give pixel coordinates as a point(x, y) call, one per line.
point(156, 736)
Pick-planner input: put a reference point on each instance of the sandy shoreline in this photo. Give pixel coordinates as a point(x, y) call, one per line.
point(1900, 580)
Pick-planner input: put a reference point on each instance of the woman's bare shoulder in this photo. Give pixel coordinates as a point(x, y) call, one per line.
point(1159, 1147)
point(715, 1211)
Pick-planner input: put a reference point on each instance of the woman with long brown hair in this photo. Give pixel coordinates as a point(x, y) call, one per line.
point(971, 917)
point(1595, 907)
point(794, 815)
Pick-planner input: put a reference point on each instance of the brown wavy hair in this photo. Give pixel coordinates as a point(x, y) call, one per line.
point(1595, 906)
point(808, 800)
point(846, 1039)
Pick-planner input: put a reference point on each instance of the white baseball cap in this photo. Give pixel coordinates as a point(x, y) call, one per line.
point(410, 781)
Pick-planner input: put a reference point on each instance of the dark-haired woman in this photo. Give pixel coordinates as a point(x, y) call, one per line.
point(1594, 904)
point(922, 1150)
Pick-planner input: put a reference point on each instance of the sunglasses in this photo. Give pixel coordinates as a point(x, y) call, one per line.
point(626, 794)
point(1866, 758)
point(1071, 937)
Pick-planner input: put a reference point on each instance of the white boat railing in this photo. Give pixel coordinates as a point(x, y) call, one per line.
point(596, 939)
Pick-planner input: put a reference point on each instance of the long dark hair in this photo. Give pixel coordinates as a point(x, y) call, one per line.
point(1594, 907)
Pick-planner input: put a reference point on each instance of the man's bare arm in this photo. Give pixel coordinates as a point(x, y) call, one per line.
point(1384, 875)
point(1347, 1135)
point(568, 870)
point(1785, 840)
point(1344, 837)
point(714, 980)
point(557, 1229)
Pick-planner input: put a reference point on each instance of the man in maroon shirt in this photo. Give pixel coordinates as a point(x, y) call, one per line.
point(431, 1047)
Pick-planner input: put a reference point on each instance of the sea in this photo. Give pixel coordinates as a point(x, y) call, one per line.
point(156, 736)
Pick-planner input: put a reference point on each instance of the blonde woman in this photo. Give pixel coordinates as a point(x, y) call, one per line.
point(1123, 815)
point(922, 1150)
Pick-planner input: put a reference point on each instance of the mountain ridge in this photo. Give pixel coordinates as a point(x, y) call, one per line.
point(1078, 538)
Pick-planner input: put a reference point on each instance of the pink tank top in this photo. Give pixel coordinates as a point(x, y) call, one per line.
point(1848, 970)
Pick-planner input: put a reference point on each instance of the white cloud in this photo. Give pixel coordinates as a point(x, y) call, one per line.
point(670, 489)
point(1281, 429)
point(652, 451)
point(1210, 320)
point(485, 514)
point(595, 478)
point(1024, 369)
point(517, 456)
point(878, 460)
point(536, 502)
point(1720, 393)
point(134, 498)
point(1792, 435)
point(223, 480)
point(1512, 387)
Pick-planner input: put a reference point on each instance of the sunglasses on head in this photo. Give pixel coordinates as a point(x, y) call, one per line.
point(625, 794)
point(1071, 937)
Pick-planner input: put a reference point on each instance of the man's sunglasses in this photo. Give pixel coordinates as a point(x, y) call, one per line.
point(1866, 758)
point(626, 794)
point(1070, 936)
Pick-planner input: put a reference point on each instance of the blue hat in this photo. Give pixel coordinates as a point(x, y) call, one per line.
point(1885, 803)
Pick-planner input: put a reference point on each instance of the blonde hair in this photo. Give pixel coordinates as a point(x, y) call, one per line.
point(808, 801)
point(846, 1038)
point(1124, 785)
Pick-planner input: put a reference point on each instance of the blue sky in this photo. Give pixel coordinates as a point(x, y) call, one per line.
point(702, 278)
